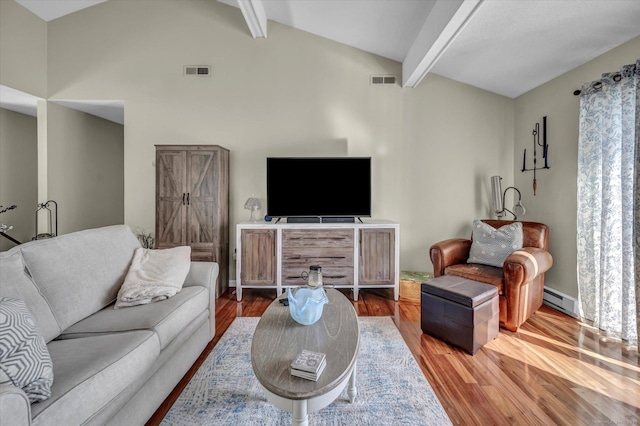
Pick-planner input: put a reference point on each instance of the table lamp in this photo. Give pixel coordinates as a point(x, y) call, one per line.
point(252, 204)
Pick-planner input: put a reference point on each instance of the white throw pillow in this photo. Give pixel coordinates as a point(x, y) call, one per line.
point(492, 246)
point(154, 275)
point(24, 358)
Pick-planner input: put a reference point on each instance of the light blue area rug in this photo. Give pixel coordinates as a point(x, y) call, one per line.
point(392, 389)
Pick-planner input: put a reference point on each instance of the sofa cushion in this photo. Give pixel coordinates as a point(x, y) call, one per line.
point(24, 358)
point(80, 273)
point(154, 275)
point(491, 246)
point(91, 372)
point(16, 284)
point(167, 318)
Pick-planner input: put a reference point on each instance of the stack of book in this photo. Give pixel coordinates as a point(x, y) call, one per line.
point(308, 365)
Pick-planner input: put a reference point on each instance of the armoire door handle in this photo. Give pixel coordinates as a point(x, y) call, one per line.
point(183, 195)
point(188, 199)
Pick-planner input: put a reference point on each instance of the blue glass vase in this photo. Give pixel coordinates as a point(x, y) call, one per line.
point(306, 304)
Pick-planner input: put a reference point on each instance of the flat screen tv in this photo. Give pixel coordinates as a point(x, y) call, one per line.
point(332, 187)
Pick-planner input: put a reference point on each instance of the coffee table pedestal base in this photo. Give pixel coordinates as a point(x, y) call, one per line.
point(300, 408)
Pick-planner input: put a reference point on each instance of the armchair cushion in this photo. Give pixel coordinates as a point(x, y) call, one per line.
point(480, 273)
point(492, 246)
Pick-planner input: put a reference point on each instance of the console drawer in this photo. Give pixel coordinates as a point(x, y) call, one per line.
point(302, 238)
point(317, 256)
point(331, 275)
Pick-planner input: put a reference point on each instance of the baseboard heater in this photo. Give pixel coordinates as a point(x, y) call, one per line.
point(560, 301)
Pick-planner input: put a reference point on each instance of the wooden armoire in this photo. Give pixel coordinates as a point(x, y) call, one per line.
point(192, 203)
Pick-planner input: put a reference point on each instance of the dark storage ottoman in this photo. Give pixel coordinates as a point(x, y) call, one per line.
point(459, 311)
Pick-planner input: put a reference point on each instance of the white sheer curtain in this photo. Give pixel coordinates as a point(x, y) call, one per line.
point(608, 203)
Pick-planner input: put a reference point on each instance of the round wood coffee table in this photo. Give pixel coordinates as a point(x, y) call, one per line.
point(278, 339)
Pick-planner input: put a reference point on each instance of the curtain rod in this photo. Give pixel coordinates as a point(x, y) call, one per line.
point(598, 84)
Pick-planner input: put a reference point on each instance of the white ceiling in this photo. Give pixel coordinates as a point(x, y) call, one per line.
point(511, 47)
point(504, 46)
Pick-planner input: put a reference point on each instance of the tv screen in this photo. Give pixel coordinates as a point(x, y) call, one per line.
point(319, 187)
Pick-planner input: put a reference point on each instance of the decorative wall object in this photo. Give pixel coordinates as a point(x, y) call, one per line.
point(545, 152)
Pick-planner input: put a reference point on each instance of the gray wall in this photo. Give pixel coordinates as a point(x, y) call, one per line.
point(71, 157)
point(556, 201)
point(433, 148)
point(85, 173)
point(23, 49)
point(18, 174)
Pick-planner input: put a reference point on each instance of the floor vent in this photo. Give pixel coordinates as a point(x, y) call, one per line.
point(561, 302)
point(383, 79)
point(197, 70)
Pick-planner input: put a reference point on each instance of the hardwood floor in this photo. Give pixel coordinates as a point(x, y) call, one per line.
point(554, 370)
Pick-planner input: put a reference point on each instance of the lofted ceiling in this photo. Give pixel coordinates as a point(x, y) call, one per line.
point(504, 46)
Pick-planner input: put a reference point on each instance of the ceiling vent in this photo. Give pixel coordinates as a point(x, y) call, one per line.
point(383, 79)
point(197, 70)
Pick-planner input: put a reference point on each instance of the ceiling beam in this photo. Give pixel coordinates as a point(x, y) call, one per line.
point(18, 101)
point(445, 21)
point(256, 17)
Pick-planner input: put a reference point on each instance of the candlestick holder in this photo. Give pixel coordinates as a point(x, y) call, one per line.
point(545, 152)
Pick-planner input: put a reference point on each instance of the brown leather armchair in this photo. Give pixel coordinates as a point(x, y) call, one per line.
point(520, 281)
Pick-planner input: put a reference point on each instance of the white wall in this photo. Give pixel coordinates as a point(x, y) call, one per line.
point(433, 148)
point(85, 173)
point(556, 201)
point(18, 174)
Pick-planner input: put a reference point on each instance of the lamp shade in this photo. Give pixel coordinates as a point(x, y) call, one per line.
point(519, 209)
point(253, 204)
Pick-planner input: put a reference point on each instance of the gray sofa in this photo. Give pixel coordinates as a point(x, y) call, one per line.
point(110, 366)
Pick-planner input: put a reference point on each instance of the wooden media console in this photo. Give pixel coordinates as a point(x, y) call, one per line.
point(352, 255)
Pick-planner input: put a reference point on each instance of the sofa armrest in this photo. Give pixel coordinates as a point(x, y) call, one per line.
point(449, 252)
point(202, 273)
point(15, 408)
point(206, 275)
point(523, 265)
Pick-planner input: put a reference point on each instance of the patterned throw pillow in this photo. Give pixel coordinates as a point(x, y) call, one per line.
point(24, 357)
point(492, 246)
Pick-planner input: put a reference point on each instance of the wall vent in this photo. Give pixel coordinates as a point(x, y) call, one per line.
point(383, 79)
point(561, 302)
point(197, 70)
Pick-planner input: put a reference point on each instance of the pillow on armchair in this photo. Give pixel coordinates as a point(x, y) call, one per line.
point(491, 246)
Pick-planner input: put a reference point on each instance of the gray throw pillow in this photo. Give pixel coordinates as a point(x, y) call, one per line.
point(492, 246)
point(24, 358)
